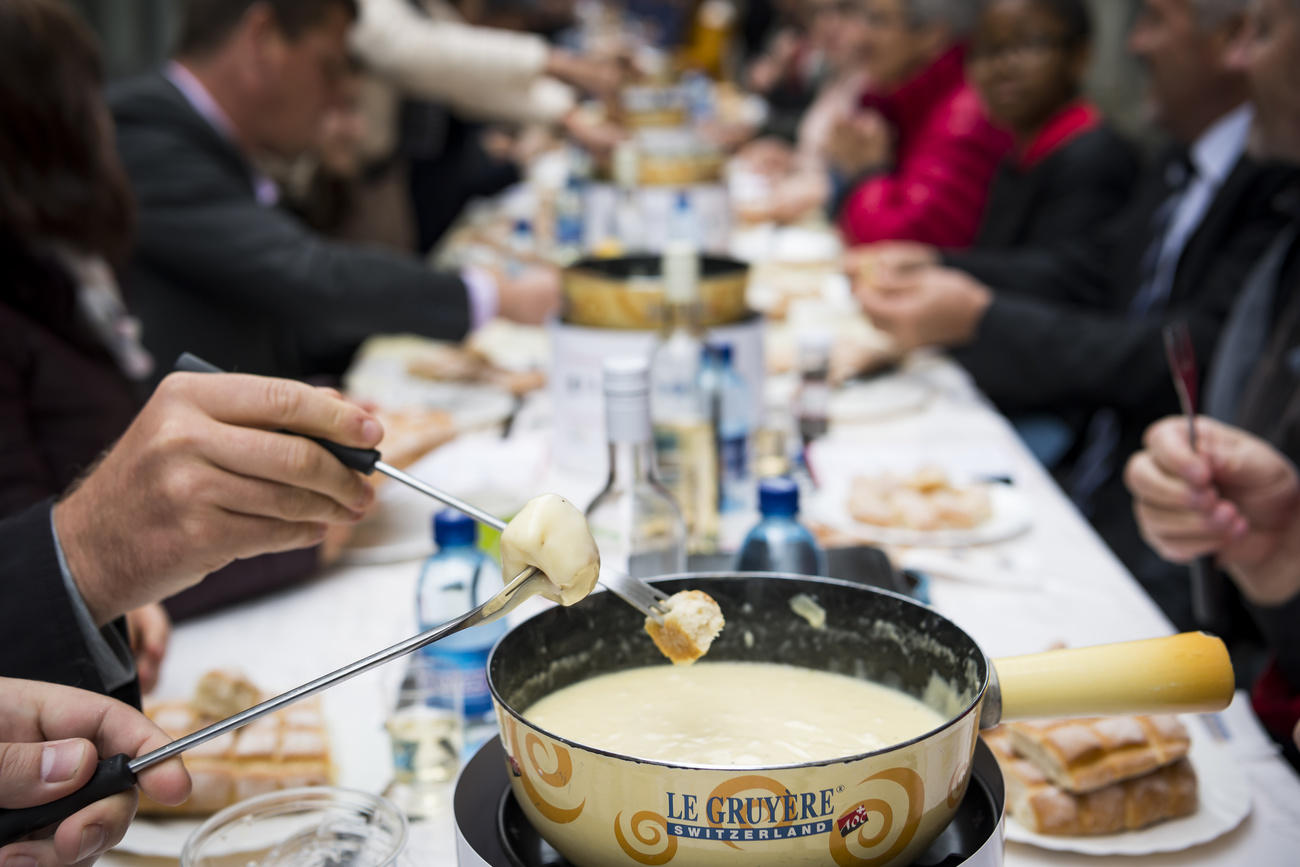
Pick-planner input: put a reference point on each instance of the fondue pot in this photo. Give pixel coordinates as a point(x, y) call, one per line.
point(628, 292)
point(599, 808)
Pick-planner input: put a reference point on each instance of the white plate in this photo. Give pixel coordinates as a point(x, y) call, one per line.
point(384, 381)
point(1225, 801)
point(1010, 518)
point(880, 398)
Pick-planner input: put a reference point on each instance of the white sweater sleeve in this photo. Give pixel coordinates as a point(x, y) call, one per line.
point(488, 73)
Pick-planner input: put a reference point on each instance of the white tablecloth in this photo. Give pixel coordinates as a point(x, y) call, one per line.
point(1078, 594)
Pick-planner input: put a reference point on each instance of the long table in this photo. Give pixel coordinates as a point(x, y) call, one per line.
point(1063, 586)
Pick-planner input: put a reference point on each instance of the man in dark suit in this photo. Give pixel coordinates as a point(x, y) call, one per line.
point(1076, 330)
point(199, 479)
point(221, 271)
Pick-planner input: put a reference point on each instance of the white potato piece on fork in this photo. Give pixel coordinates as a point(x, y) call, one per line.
point(552, 535)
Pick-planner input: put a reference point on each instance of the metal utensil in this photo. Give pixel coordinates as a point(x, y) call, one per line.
point(635, 592)
point(118, 773)
point(1209, 590)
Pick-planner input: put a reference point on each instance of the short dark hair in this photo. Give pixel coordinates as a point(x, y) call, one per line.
point(1074, 15)
point(60, 177)
point(208, 23)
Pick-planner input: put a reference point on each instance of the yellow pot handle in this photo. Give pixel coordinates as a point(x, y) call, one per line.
point(1183, 673)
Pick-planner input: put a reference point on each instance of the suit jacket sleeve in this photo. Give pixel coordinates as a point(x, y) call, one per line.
point(935, 196)
point(42, 640)
point(1036, 353)
point(266, 260)
point(483, 73)
point(1091, 186)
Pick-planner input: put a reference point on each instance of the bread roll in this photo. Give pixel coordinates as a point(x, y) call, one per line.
point(1165, 793)
point(692, 622)
point(1082, 755)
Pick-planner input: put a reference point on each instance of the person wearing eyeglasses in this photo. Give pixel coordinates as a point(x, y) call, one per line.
point(915, 159)
point(1069, 171)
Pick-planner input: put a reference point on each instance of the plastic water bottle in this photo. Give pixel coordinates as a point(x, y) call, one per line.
point(727, 397)
point(455, 579)
point(683, 227)
point(521, 245)
point(779, 543)
point(570, 225)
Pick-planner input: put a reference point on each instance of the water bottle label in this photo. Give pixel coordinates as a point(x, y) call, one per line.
point(569, 229)
point(471, 668)
point(732, 454)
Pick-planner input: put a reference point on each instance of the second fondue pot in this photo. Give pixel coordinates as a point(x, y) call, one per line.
point(598, 808)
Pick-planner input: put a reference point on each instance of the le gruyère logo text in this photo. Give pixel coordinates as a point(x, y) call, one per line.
point(751, 818)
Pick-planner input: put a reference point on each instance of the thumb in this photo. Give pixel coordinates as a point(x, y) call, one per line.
point(38, 773)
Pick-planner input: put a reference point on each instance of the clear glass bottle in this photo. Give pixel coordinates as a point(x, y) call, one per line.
point(814, 355)
point(684, 450)
point(637, 526)
point(727, 397)
point(455, 579)
point(779, 543)
point(629, 222)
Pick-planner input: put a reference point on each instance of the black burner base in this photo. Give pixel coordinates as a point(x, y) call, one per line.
point(492, 825)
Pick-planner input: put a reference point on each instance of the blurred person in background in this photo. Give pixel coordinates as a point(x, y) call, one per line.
point(1070, 172)
point(799, 173)
point(217, 268)
point(915, 160)
point(72, 366)
point(432, 82)
point(1236, 497)
point(1074, 330)
point(793, 65)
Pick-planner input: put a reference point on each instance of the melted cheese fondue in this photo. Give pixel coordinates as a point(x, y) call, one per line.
point(735, 714)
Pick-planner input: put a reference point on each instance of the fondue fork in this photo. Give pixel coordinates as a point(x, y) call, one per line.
point(118, 773)
point(640, 595)
point(1209, 590)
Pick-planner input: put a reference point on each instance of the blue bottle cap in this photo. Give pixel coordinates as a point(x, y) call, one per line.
point(452, 528)
point(719, 352)
point(778, 497)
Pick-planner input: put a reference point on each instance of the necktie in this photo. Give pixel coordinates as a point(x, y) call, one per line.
point(1160, 260)
point(1096, 460)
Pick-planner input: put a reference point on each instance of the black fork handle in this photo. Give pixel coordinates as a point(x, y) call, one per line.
point(111, 776)
point(361, 460)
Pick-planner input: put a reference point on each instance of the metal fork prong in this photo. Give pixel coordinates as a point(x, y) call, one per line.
point(644, 597)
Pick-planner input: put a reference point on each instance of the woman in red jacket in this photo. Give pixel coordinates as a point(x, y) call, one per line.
point(916, 160)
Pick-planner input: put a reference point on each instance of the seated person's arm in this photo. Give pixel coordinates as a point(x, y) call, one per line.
point(1234, 498)
point(935, 197)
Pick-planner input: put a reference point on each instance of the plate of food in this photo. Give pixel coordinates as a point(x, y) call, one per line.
point(283, 750)
point(924, 508)
point(1118, 786)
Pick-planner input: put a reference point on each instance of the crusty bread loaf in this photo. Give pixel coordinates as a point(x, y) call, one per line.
point(692, 622)
point(283, 750)
point(222, 693)
point(1082, 755)
point(1165, 793)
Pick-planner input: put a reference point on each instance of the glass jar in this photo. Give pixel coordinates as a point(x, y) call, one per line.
point(307, 827)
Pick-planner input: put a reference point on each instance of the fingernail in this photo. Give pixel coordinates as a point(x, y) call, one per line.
point(20, 861)
point(60, 760)
point(371, 430)
point(92, 839)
